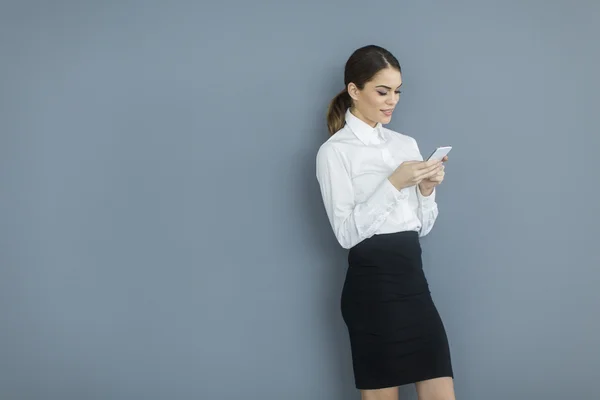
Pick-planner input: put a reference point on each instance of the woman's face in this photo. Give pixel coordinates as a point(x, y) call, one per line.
point(376, 101)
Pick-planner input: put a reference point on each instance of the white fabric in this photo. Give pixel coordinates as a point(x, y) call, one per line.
point(352, 170)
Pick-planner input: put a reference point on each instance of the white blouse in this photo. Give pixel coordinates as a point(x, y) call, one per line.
point(352, 170)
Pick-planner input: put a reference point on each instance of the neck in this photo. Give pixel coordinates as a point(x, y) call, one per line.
point(364, 119)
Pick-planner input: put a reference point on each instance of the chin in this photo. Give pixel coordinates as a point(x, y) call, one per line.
point(385, 120)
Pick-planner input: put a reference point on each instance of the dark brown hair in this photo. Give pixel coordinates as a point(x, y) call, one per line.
point(361, 67)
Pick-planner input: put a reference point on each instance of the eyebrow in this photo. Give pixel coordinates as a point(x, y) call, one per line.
point(387, 87)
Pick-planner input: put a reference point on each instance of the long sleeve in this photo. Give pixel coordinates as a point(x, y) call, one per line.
point(427, 210)
point(351, 222)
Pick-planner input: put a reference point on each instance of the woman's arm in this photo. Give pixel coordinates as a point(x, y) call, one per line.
point(427, 210)
point(352, 222)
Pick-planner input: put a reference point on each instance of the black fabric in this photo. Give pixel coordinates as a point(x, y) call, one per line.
point(396, 334)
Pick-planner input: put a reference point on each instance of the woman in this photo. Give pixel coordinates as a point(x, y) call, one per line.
point(379, 196)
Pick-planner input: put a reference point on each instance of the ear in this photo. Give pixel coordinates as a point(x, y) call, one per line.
point(353, 91)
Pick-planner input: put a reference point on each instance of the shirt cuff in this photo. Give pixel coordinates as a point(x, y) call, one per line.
point(426, 201)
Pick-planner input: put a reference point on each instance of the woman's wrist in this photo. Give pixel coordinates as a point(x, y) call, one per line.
point(425, 190)
point(396, 184)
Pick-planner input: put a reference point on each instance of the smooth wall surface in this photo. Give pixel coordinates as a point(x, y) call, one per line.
point(161, 230)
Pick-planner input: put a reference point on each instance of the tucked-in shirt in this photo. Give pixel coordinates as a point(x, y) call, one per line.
point(353, 167)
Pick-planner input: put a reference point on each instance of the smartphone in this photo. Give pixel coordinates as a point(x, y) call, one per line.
point(439, 153)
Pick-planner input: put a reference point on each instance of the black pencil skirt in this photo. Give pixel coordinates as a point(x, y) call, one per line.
point(396, 334)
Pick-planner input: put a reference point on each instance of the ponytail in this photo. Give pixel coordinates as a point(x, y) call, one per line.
point(336, 113)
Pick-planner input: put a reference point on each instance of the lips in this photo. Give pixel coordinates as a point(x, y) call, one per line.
point(388, 112)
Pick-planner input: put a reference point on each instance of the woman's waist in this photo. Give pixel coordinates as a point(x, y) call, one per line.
point(387, 249)
point(408, 238)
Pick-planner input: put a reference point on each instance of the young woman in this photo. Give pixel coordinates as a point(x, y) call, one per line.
point(379, 196)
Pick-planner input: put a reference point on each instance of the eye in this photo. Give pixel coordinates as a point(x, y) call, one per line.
point(382, 93)
point(398, 91)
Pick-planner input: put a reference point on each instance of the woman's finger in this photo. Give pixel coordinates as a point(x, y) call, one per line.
point(439, 177)
point(428, 174)
point(428, 165)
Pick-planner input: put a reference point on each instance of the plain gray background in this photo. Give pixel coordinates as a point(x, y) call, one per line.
point(162, 234)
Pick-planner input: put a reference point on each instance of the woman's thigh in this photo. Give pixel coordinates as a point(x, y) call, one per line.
point(436, 389)
point(380, 394)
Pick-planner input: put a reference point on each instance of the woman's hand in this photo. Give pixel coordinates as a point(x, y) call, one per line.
point(427, 185)
point(411, 173)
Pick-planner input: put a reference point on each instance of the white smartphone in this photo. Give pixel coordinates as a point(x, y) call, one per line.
point(439, 153)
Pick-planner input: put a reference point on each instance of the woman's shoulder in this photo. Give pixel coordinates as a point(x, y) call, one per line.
point(329, 149)
point(336, 141)
point(335, 148)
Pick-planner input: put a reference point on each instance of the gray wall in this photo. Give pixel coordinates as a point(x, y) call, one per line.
point(162, 234)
